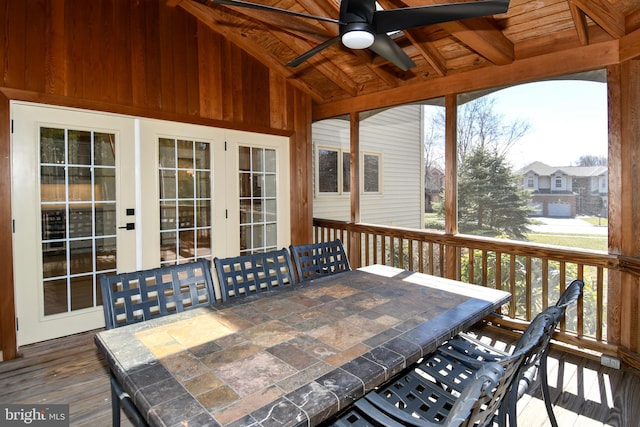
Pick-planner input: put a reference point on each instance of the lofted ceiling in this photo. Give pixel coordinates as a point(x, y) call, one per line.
point(530, 28)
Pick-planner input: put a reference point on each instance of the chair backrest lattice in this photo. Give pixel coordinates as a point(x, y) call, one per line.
point(483, 411)
point(319, 259)
point(259, 272)
point(146, 294)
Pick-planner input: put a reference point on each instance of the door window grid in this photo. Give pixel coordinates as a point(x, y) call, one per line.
point(258, 199)
point(185, 200)
point(77, 204)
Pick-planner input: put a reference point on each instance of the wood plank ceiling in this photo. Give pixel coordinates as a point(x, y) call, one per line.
point(528, 29)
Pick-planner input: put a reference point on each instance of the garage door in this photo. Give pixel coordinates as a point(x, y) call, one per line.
point(560, 209)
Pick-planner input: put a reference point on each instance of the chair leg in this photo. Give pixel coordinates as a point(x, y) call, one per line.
point(115, 405)
point(546, 394)
point(121, 400)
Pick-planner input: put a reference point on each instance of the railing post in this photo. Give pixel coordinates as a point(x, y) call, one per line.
point(451, 182)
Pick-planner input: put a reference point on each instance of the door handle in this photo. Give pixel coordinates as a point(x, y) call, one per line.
point(129, 226)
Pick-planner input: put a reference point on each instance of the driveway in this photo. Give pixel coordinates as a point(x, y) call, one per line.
point(566, 226)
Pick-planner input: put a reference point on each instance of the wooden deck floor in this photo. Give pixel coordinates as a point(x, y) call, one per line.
point(70, 371)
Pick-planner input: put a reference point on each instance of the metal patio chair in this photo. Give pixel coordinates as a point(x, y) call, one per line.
point(319, 259)
point(248, 274)
point(418, 398)
point(142, 295)
point(470, 352)
point(479, 390)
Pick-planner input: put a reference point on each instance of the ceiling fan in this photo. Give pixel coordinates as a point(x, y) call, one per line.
point(363, 26)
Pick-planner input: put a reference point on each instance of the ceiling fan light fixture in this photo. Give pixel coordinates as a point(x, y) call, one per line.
point(357, 39)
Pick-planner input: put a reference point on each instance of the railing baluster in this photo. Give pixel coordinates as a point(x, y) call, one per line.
point(545, 283)
point(580, 305)
point(484, 268)
point(512, 284)
point(599, 303)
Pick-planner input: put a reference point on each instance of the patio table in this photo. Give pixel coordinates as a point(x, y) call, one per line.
point(291, 357)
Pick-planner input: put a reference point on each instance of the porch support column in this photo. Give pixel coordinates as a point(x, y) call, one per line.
point(623, 319)
point(354, 162)
point(451, 182)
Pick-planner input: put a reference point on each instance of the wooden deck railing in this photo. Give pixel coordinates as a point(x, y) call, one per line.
point(535, 274)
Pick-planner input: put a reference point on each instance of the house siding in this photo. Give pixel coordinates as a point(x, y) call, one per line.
point(395, 135)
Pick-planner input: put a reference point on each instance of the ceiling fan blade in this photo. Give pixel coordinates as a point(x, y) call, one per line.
point(385, 21)
point(384, 46)
point(308, 54)
point(242, 3)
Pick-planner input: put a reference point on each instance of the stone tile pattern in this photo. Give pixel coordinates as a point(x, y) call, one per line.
point(292, 357)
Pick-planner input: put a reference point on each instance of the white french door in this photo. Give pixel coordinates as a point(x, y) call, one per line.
point(96, 193)
point(72, 181)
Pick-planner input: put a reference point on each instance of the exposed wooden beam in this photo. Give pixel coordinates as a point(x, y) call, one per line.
point(554, 64)
point(426, 50)
point(292, 24)
point(580, 21)
point(330, 71)
point(210, 18)
point(430, 54)
point(603, 14)
point(479, 35)
point(630, 46)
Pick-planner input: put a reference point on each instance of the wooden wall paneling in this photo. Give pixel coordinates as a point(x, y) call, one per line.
point(191, 68)
point(76, 37)
point(121, 39)
point(35, 46)
point(100, 77)
point(280, 102)
point(210, 73)
point(7, 308)
point(235, 91)
point(167, 70)
point(230, 68)
point(255, 87)
point(55, 53)
point(15, 56)
point(145, 55)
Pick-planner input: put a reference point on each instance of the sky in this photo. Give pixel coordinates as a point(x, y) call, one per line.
point(567, 119)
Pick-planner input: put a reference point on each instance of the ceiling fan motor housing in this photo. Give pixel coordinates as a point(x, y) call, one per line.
point(357, 35)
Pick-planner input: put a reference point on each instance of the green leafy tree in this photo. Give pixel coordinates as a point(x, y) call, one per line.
point(489, 199)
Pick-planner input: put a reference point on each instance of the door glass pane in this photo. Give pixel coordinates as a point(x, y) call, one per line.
point(185, 200)
point(258, 197)
point(77, 170)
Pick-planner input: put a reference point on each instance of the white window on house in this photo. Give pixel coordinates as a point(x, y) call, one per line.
point(333, 172)
point(558, 182)
point(371, 173)
point(327, 170)
point(346, 172)
point(530, 182)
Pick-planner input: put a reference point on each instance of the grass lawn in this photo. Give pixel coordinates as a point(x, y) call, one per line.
point(582, 241)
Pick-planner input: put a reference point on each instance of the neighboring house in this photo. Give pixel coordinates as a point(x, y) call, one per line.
point(391, 168)
point(565, 191)
point(433, 187)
